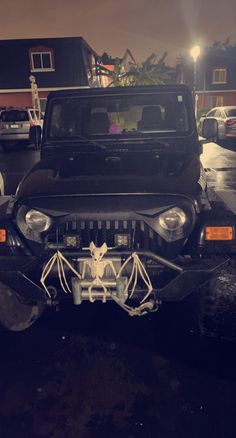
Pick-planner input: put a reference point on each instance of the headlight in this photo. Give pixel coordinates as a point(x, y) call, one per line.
point(172, 223)
point(37, 221)
point(172, 219)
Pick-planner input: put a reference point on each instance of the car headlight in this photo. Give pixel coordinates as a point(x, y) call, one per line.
point(172, 219)
point(37, 221)
point(171, 224)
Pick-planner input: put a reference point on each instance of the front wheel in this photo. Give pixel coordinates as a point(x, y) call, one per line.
point(217, 305)
point(17, 314)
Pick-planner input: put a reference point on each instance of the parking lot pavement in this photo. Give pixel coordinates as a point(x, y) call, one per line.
point(217, 157)
point(219, 162)
point(121, 377)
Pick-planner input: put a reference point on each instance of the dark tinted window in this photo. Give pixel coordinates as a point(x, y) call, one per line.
point(46, 61)
point(119, 115)
point(231, 112)
point(37, 60)
point(14, 116)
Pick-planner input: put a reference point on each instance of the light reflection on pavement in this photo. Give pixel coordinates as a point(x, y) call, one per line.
point(220, 166)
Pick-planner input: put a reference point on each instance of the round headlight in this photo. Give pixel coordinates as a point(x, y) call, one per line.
point(172, 219)
point(37, 221)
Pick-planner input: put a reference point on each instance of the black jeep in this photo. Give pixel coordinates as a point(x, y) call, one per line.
point(117, 209)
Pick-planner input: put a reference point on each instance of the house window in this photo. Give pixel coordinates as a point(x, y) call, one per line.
point(216, 101)
point(219, 76)
point(41, 60)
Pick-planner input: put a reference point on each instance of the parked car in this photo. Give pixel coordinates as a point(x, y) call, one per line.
point(226, 121)
point(15, 125)
point(1, 185)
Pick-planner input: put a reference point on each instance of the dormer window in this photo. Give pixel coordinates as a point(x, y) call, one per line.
point(41, 59)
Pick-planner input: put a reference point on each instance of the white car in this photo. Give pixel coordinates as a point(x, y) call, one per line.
point(1, 185)
point(226, 121)
point(15, 125)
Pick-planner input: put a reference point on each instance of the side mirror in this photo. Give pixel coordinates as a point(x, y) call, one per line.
point(210, 128)
point(35, 135)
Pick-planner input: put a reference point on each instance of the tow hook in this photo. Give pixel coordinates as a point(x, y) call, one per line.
point(52, 301)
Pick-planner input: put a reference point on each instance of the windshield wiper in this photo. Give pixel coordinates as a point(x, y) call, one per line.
point(145, 136)
point(131, 140)
point(60, 141)
point(160, 142)
point(94, 143)
point(127, 141)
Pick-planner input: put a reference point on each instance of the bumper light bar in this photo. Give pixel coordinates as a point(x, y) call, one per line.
point(71, 241)
point(122, 240)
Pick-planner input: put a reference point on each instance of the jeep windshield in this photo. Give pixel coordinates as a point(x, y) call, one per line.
point(106, 116)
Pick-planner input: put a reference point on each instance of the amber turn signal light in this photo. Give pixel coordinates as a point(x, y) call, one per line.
point(219, 233)
point(3, 235)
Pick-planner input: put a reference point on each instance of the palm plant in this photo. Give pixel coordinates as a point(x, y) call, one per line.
point(151, 71)
point(127, 71)
point(118, 75)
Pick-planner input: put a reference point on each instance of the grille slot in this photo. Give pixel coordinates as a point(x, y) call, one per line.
point(142, 237)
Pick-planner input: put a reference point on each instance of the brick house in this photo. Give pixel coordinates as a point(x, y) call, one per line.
point(55, 63)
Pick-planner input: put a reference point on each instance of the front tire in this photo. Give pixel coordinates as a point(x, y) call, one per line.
point(17, 314)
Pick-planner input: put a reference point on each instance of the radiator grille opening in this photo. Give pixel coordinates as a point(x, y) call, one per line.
point(141, 235)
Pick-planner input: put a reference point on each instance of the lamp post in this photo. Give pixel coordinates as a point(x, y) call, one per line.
point(195, 52)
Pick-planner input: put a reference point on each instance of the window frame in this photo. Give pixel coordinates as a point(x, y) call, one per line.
point(41, 53)
point(219, 70)
point(167, 133)
point(211, 113)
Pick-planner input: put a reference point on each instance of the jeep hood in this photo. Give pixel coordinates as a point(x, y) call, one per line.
point(108, 172)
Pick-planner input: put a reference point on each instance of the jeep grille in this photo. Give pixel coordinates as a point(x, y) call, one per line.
point(141, 235)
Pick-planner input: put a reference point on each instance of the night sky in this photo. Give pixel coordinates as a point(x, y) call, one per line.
point(143, 26)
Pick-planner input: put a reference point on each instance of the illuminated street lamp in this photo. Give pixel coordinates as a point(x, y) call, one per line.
point(195, 52)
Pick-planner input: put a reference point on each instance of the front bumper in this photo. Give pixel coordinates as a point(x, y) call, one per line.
point(14, 136)
point(22, 273)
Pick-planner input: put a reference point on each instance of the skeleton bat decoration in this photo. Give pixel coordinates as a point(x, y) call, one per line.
point(96, 267)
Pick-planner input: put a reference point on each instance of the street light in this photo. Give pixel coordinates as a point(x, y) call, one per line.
point(195, 52)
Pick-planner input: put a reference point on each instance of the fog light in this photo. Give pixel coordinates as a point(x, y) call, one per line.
point(72, 241)
point(122, 240)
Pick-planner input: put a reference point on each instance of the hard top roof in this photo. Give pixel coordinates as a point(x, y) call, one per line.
point(109, 91)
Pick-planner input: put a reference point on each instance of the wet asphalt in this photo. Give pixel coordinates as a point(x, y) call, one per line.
point(95, 372)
